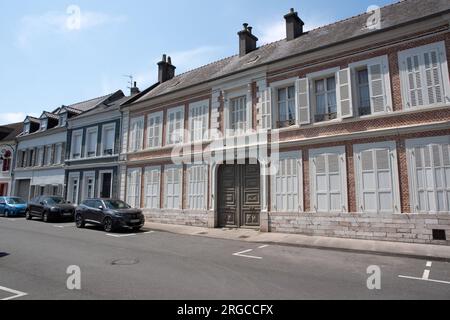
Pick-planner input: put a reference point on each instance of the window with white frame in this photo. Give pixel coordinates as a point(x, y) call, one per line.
point(58, 153)
point(238, 114)
point(328, 180)
point(134, 187)
point(48, 155)
point(26, 128)
point(429, 165)
point(40, 157)
point(175, 126)
point(136, 134)
point(108, 139)
point(376, 174)
point(91, 142)
point(197, 186)
point(198, 120)
point(152, 187)
point(325, 99)
point(77, 137)
point(286, 106)
point(154, 130)
point(287, 183)
point(172, 187)
point(424, 75)
point(371, 83)
point(88, 185)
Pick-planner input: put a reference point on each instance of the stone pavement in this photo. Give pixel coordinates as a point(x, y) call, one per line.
point(423, 251)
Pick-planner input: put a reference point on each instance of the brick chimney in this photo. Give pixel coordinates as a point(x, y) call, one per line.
point(247, 41)
point(134, 89)
point(294, 25)
point(166, 70)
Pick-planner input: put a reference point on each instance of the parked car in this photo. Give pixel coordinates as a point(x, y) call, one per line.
point(110, 214)
point(12, 206)
point(49, 208)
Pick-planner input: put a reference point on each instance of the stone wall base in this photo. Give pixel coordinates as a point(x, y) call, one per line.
point(178, 217)
point(411, 228)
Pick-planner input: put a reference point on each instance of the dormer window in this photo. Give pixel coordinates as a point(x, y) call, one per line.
point(26, 128)
point(63, 120)
point(44, 123)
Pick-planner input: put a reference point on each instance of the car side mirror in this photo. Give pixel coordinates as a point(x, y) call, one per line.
point(100, 207)
point(42, 203)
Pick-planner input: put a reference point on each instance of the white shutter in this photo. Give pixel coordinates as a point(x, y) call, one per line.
point(265, 108)
point(433, 77)
point(197, 185)
point(345, 104)
point(378, 99)
point(154, 130)
point(414, 81)
point(173, 187)
point(304, 112)
point(328, 180)
point(286, 189)
point(152, 187)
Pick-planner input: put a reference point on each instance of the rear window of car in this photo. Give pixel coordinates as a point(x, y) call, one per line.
point(55, 200)
point(15, 201)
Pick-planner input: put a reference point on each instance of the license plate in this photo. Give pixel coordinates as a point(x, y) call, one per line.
point(135, 221)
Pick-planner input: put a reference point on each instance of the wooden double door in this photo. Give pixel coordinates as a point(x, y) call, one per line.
point(239, 197)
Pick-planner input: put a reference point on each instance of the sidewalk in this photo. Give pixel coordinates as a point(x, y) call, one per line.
point(422, 251)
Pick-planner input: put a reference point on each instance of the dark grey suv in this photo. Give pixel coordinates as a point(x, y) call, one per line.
point(110, 214)
point(49, 208)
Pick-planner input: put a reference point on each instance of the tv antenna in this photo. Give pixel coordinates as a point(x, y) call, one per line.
point(130, 82)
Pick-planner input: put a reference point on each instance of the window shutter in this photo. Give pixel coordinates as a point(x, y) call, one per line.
point(433, 77)
point(377, 89)
point(265, 109)
point(414, 81)
point(304, 112)
point(345, 94)
point(63, 152)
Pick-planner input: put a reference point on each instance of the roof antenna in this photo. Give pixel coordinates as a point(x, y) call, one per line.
point(130, 81)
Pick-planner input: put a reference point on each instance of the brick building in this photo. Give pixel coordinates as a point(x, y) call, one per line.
point(356, 112)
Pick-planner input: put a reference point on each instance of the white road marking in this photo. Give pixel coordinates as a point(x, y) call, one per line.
point(428, 280)
point(264, 246)
point(60, 227)
point(149, 232)
point(16, 294)
point(120, 235)
point(241, 254)
point(426, 275)
point(429, 264)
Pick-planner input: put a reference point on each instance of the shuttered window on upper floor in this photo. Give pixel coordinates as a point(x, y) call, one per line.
point(424, 76)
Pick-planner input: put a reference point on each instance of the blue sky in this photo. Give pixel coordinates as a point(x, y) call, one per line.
point(46, 60)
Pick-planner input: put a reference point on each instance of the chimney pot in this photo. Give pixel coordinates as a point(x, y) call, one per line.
point(294, 25)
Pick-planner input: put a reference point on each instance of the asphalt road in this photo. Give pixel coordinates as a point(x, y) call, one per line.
point(34, 258)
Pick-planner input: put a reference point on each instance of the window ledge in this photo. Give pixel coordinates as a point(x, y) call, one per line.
point(92, 158)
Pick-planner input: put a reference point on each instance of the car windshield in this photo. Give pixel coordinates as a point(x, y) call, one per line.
point(116, 204)
point(55, 200)
point(14, 201)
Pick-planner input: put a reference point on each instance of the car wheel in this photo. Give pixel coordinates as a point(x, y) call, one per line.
point(79, 221)
point(45, 217)
point(28, 215)
point(108, 224)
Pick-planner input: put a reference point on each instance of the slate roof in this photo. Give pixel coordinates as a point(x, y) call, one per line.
point(14, 130)
point(107, 106)
point(392, 15)
point(50, 115)
point(84, 106)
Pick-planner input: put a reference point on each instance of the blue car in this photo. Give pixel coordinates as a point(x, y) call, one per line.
point(12, 206)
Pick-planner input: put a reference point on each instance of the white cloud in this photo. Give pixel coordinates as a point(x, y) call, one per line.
point(61, 23)
point(12, 117)
point(276, 30)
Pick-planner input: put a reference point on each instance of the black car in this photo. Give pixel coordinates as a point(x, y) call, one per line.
point(110, 214)
point(49, 208)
